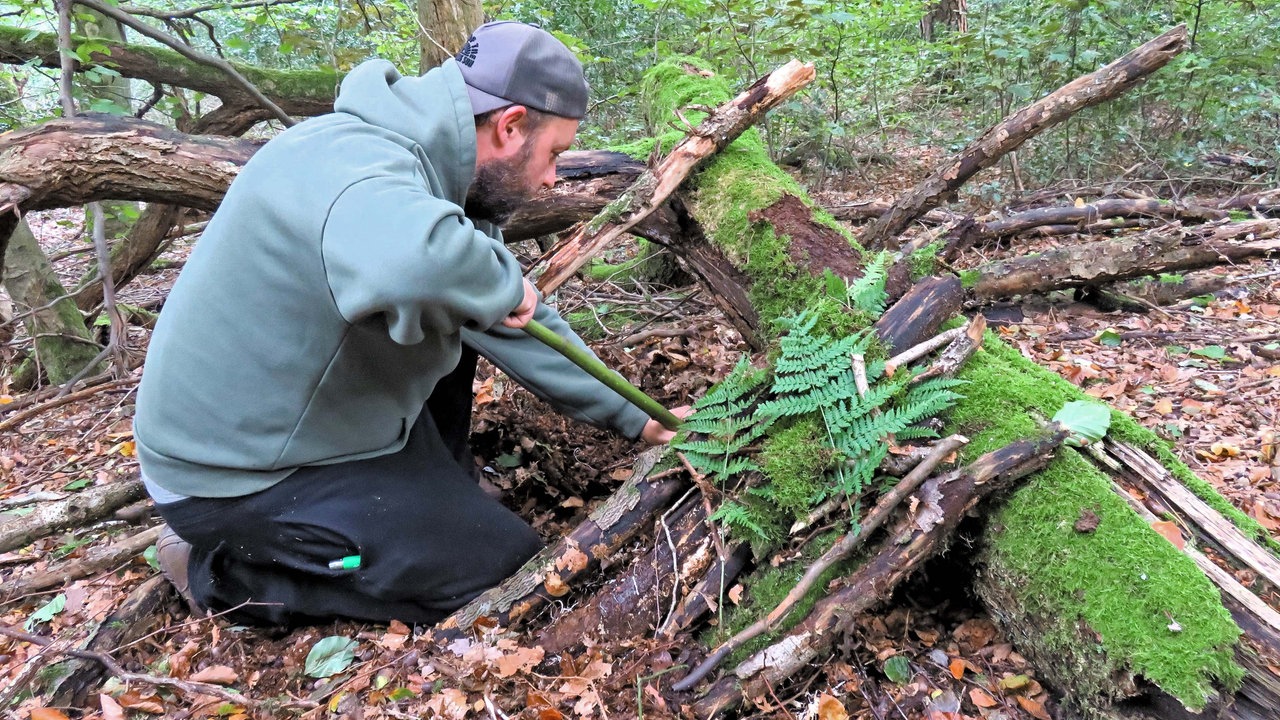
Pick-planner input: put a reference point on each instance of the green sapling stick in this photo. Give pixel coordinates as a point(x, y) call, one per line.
point(598, 371)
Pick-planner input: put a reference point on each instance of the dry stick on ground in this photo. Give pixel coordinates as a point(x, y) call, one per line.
point(21, 417)
point(836, 553)
point(652, 189)
point(184, 686)
point(958, 352)
point(1096, 87)
point(1169, 249)
point(83, 507)
point(98, 559)
point(911, 543)
point(1077, 217)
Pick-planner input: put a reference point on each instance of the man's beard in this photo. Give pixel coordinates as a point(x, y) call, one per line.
point(500, 188)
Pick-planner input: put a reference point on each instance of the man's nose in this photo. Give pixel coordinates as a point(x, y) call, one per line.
point(549, 178)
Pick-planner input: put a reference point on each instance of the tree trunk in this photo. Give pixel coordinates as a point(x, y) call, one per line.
point(443, 26)
point(63, 344)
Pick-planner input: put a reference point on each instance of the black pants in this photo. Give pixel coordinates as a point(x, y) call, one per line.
point(428, 537)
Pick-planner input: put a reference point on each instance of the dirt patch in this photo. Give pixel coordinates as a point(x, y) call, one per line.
point(813, 246)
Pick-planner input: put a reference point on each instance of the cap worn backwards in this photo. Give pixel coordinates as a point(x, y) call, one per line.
point(511, 63)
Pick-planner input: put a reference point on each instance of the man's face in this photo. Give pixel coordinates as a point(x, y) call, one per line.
point(502, 185)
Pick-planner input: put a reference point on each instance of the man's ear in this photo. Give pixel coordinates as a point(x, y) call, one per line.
point(510, 127)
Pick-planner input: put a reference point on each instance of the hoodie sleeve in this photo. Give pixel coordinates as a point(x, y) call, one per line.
point(392, 248)
point(552, 377)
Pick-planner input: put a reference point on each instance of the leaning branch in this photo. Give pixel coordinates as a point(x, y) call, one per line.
point(1007, 135)
point(188, 52)
point(652, 189)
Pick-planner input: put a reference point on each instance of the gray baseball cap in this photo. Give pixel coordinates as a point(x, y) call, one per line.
point(511, 63)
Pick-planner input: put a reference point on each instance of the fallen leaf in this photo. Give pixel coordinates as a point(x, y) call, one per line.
point(829, 708)
point(957, 669)
point(573, 560)
point(554, 585)
point(1170, 532)
point(1014, 683)
point(982, 698)
point(1164, 406)
point(1034, 708)
point(111, 709)
point(1087, 522)
point(44, 713)
point(522, 660)
point(216, 675)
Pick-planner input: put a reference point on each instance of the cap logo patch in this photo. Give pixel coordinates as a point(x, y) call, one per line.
point(467, 55)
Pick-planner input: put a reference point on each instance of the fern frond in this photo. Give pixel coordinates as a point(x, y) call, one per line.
point(867, 292)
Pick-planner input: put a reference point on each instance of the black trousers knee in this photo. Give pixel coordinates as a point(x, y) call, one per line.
point(428, 537)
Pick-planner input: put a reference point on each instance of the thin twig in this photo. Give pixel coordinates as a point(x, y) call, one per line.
point(184, 686)
point(20, 417)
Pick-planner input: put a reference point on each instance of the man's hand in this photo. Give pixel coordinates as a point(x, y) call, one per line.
point(655, 434)
point(523, 313)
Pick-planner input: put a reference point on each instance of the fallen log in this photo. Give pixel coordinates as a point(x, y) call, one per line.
point(84, 507)
point(914, 540)
point(1169, 249)
point(96, 560)
point(552, 572)
point(1085, 91)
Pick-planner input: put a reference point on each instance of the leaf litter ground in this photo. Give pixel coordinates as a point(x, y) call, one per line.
point(931, 653)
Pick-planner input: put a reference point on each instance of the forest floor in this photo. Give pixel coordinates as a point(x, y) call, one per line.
point(1183, 371)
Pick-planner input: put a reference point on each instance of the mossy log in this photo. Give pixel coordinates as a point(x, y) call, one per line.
point(777, 248)
point(914, 540)
point(298, 92)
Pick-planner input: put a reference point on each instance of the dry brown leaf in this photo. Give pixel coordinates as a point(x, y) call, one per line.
point(573, 560)
point(1170, 532)
point(111, 709)
point(150, 704)
point(522, 659)
point(982, 698)
point(555, 587)
point(44, 713)
point(829, 708)
point(1164, 406)
point(1034, 708)
point(957, 669)
point(215, 674)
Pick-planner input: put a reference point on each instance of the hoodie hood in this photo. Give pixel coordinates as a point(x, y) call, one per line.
point(432, 112)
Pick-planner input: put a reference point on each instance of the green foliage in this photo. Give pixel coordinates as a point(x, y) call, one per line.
point(832, 438)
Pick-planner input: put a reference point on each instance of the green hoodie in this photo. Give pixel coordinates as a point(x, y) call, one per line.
point(332, 290)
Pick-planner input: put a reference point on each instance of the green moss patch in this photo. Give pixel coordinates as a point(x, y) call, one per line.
point(1153, 612)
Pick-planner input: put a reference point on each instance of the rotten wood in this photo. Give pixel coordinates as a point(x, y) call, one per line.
point(929, 303)
point(638, 602)
point(945, 501)
point(84, 507)
point(652, 189)
point(1169, 249)
point(550, 573)
point(1007, 135)
point(96, 560)
point(838, 552)
point(958, 352)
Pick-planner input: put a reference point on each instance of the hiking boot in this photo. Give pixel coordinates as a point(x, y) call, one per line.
point(173, 553)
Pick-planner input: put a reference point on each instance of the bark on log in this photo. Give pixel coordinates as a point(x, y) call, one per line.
point(915, 540)
point(84, 507)
point(1085, 91)
point(1168, 249)
point(133, 619)
point(929, 303)
point(554, 570)
point(298, 92)
point(652, 189)
point(636, 603)
point(98, 559)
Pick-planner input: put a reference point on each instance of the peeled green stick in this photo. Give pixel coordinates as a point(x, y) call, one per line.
point(598, 371)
